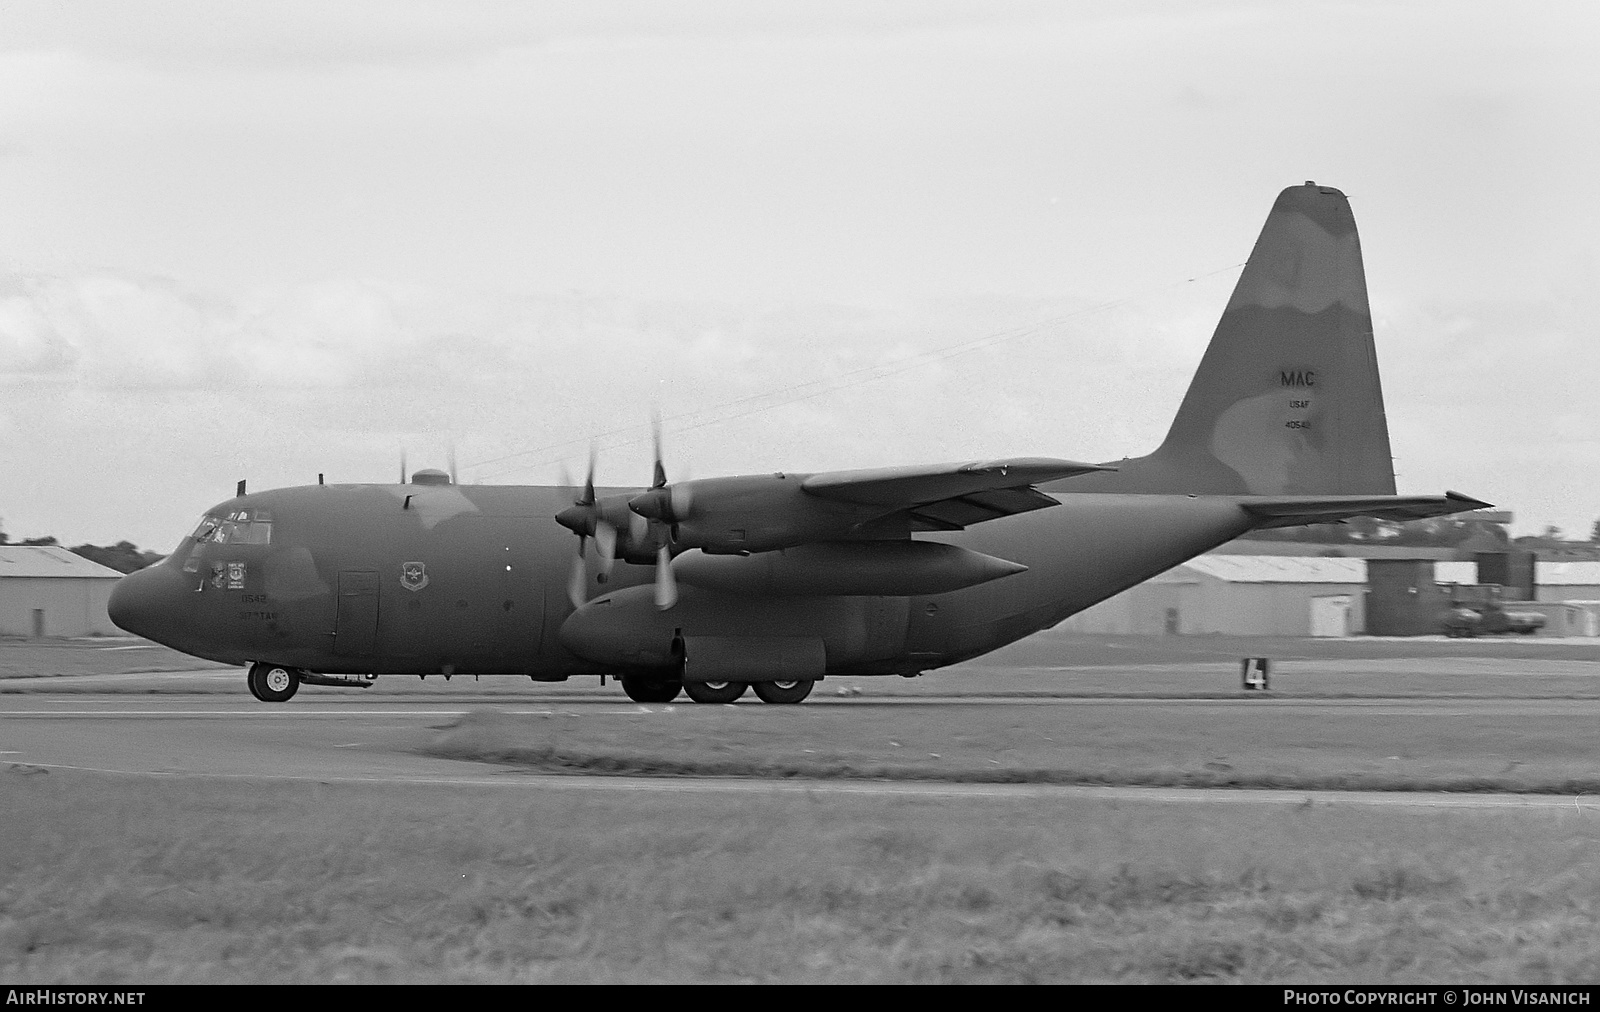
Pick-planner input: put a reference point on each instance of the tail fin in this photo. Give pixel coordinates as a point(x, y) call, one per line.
point(1286, 400)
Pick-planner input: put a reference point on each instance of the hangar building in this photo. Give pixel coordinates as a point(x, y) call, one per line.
point(46, 590)
point(1296, 595)
point(1250, 595)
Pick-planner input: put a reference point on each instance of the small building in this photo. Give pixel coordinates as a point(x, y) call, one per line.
point(1567, 581)
point(46, 590)
point(1409, 597)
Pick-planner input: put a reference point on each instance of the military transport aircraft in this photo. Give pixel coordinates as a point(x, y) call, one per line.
point(774, 581)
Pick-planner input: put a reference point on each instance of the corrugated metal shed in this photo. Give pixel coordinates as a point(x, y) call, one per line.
point(46, 590)
point(50, 561)
point(1244, 594)
point(1279, 569)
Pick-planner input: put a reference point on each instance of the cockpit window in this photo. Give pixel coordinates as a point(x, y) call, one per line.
point(240, 527)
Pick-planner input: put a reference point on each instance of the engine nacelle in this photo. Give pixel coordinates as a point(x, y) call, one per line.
point(748, 513)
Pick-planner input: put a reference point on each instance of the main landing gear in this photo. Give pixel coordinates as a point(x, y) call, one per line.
point(714, 692)
point(643, 688)
point(651, 688)
point(272, 683)
point(792, 691)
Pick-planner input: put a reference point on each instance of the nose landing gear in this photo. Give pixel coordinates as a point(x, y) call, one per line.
point(272, 683)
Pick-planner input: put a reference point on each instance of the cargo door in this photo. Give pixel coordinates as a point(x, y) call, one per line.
point(356, 630)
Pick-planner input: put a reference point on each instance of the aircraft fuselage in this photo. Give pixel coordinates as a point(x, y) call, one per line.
point(771, 581)
point(472, 580)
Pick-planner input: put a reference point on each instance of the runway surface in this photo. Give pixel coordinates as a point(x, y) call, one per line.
point(218, 731)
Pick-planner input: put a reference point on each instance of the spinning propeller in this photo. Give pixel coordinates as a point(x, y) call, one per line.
point(605, 521)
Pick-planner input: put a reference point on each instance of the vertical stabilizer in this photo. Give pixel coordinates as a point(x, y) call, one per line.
point(1287, 400)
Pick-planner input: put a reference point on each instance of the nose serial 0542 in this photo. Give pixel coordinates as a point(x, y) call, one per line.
point(774, 581)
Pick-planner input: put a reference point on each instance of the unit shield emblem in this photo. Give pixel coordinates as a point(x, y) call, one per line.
point(413, 575)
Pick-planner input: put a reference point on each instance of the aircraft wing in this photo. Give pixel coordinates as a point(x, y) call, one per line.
point(1295, 510)
point(948, 497)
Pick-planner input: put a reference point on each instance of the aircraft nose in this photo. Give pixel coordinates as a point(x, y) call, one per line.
point(145, 602)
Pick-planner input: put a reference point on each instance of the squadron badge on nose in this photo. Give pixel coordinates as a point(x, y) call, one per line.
point(413, 575)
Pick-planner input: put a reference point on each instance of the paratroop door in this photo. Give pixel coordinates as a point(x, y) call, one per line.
point(356, 630)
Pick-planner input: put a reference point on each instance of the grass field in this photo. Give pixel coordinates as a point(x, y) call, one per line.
point(109, 880)
point(1243, 744)
point(112, 879)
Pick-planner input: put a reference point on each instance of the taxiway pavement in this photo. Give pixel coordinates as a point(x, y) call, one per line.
point(362, 736)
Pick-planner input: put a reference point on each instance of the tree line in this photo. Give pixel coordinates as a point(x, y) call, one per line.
point(1438, 532)
point(124, 556)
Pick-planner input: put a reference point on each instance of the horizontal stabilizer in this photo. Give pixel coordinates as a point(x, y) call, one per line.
point(1297, 510)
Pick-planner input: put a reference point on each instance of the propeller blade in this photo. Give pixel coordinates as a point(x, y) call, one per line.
point(605, 539)
point(450, 457)
point(682, 500)
point(666, 584)
point(578, 582)
point(588, 481)
point(402, 466)
point(659, 480)
point(638, 529)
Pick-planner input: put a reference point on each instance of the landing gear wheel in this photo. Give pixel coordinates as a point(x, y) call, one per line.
point(648, 689)
point(272, 683)
point(714, 692)
point(791, 691)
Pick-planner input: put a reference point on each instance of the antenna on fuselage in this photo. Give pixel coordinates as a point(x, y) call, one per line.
point(402, 467)
point(319, 477)
point(240, 492)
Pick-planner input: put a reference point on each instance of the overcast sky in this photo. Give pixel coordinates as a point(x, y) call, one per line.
point(269, 240)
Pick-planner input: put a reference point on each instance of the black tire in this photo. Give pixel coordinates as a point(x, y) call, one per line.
point(714, 692)
point(651, 689)
point(273, 683)
point(792, 691)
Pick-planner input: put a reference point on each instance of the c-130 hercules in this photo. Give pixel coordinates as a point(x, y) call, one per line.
point(775, 581)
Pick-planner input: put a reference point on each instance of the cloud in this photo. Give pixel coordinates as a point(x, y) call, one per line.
point(523, 226)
